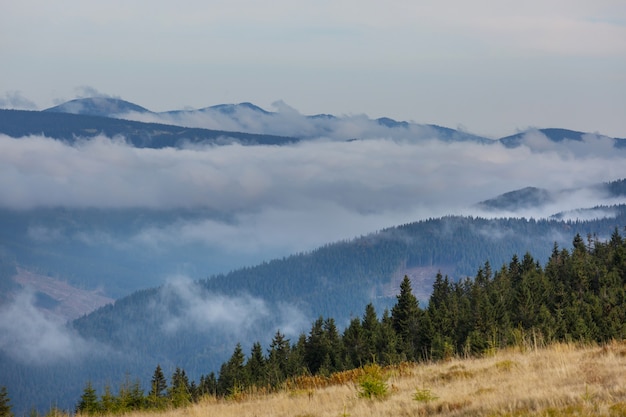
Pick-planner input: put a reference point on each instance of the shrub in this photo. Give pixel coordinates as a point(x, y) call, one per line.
point(424, 395)
point(372, 383)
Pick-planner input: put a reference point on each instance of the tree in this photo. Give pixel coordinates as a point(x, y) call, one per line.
point(278, 359)
point(158, 386)
point(88, 403)
point(180, 391)
point(108, 402)
point(233, 378)
point(130, 395)
point(405, 318)
point(5, 406)
point(256, 365)
point(208, 385)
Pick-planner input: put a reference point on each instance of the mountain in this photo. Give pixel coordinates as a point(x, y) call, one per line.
point(250, 118)
point(555, 135)
point(514, 200)
point(195, 324)
point(97, 106)
point(533, 197)
point(72, 127)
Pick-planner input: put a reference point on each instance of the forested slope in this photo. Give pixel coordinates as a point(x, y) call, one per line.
point(579, 295)
point(194, 325)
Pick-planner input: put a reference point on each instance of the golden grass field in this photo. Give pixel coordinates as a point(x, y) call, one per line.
point(559, 380)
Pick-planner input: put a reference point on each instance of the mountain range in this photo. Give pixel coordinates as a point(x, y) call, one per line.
point(244, 123)
point(91, 292)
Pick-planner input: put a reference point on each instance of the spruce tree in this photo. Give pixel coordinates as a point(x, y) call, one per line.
point(233, 377)
point(180, 392)
point(5, 406)
point(88, 403)
point(278, 359)
point(158, 387)
point(256, 366)
point(405, 318)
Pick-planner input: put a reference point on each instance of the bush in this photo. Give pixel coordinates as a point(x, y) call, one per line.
point(424, 395)
point(372, 383)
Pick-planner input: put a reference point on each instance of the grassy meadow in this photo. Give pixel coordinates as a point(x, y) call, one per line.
point(558, 380)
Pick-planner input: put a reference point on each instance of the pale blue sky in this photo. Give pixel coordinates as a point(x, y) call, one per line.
point(490, 67)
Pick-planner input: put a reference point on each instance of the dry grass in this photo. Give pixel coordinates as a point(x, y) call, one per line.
point(561, 380)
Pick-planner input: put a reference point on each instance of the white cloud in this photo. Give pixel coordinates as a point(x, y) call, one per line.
point(28, 335)
point(184, 304)
point(15, 100)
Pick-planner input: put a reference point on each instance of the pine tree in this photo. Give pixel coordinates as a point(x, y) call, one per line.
point(88, 403)
point(108, 402)
point(208, 385)
point(405, 318)
point(180, 392)
point(354, 344)
point(256, 366)
point(278, 359)
point(158, 386)
point(233, 378)
point(5, 406)
point(130, 395)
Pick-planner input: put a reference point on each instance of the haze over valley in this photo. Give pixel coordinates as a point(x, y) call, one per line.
point(229, 236)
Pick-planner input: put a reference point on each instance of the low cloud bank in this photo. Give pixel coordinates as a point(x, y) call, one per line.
point(30, 336)
point(184, 304)
point(294, 198)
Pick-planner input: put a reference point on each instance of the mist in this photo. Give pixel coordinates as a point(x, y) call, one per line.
point(30, 336)
point(281, 200)
point(284, 120)
point(183, 304)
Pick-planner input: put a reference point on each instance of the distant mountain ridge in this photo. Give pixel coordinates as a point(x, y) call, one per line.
point(70, 127)
point(250, 118)
point(97, 106)
point(528, 197)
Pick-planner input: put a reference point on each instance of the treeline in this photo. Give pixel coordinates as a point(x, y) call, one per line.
point(579, 295)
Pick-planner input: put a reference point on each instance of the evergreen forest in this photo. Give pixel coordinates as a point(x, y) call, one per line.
point(578, 295)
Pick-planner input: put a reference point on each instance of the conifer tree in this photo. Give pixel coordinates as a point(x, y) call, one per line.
point(405, 318)
point(180, 392)
point(5, 403)
point(233, 377)
point(88, 403)
point(158, 387)
point(256, 366)
point(354, 344)
point(108, 402)
point(278, 359)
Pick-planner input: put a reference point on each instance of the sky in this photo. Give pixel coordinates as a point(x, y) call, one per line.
point(488, 67)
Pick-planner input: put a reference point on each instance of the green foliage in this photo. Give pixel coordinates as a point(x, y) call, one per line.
point(424, 395)
point(372, 384)
point(5, 406)
point(180, 393)
point(578, 295)
point(158, 386)
point(88, 403)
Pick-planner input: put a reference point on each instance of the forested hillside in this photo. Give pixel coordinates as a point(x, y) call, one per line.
point(74, 127)
point(579, 295)
point(194, 325)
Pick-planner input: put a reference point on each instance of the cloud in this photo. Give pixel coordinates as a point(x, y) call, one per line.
point(286, 121)
point(86, 91)
point(185, 304)
point(279, 200)
point(15, 100)
point(30, 336)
